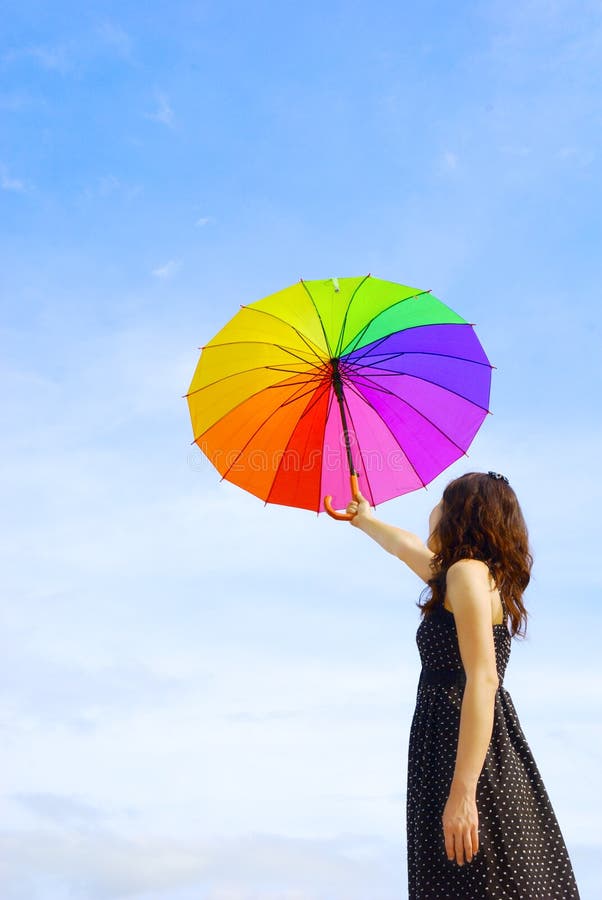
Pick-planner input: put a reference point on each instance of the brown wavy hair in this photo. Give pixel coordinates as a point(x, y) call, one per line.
point(481, 519)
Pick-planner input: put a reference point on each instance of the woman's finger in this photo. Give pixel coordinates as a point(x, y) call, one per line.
point(449, 843)
point(474, 835)
point(468, 846)
point(459, 845)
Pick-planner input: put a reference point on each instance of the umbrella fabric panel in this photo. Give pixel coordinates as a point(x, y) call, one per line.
point(210, 402)
point(428, 449)
point(346, 311)
point(369, 299)
point(335, 469)
point(252, 323)
point(445, 339)
point(256, 434)
point(423, 309)
point(421, 352)
point(223, 360)
point(297, 480)
point(383, 467)
point(292, 306)
point(455, 417)
point(470, 381)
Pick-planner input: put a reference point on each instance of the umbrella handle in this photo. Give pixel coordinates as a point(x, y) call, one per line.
point(343, 517)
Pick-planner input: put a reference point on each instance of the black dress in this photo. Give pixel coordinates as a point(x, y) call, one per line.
point(521, 853)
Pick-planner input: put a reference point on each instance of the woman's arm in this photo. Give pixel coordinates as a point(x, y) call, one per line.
point(468, 593)
point(406, 546)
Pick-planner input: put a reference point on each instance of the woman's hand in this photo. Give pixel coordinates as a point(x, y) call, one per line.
point(360, 509)
point(461, 826)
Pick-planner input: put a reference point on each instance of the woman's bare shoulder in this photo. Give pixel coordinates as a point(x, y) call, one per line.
point(468, 565)
point(473, 575)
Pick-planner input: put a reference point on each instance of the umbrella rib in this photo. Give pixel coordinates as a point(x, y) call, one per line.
point(279, 384)
point(290, 350)
point(415, 353)
point(307, 409)
point(319, 318)
point(291, 371)
point(421, 414)
point(359, 335)
point(368, 352)
point(343, 326)
point(294, 399)
point(245, 372)
point(419, 378)
point(309, 343)
point(392, 433)
point(257, 430)
point(312, 375)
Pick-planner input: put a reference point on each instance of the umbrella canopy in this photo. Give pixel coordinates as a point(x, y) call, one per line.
point(338, 377)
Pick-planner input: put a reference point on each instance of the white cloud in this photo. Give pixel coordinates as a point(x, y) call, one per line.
point(580, 156)
point(115, 37)
point(168, 270)
point(164, 112)
point(204, 220)
point(110, 185)
point(51, 58)
point(51, 688)
point(14, 101)
point(9, 183)
point(450, 160)
point(253, 867)
point(60, 808)
point(257, 866)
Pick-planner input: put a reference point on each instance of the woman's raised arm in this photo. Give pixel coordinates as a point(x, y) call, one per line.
point(404, 544)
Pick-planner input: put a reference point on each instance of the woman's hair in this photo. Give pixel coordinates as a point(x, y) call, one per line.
point(481, 519)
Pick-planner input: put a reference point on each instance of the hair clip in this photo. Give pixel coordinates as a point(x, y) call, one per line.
point(498, 476)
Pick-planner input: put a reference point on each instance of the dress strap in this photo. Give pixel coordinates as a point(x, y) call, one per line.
point(504, 607)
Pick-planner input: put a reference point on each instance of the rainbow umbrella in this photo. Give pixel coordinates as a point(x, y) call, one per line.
point(307, 390)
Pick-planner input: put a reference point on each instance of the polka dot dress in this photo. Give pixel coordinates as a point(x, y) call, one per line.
point(522, 853)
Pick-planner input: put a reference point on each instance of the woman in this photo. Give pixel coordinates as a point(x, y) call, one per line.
point(479, 820)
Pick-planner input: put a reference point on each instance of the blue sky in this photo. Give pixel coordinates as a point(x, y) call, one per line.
point(203, 698)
